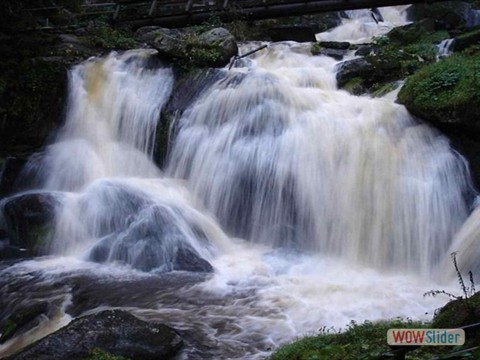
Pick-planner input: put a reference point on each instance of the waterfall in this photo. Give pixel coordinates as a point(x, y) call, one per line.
point(298, 205)
point(360, 26)
point(283, 158)
point(115, 204)
point(445, 48)
point(113, 109)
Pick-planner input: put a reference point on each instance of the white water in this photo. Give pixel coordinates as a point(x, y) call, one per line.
point(337, 208)
point(445, 48)
point(286, 160)
point(360, 27)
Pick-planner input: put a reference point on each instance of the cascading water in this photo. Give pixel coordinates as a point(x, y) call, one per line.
point(360, 26)
point(284, 159)
point(445, 48)
point(338, 207)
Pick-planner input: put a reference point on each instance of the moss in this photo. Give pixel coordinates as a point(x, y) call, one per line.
point(355, 86)
point(383, 89)
point(316, 48)
point(445, 91)
point(99, 354)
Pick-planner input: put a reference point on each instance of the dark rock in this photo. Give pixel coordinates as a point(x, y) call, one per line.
point(292, 33)
point(466, 40)
point(213, 48)
point(333, 53)
point(353, 68)
point(23, 320)
point(114, 332)
point(30, 219)
point(187, 260)
point(9, 252)
point(339, 45)
point(364, 50)
point(221, 41)
point(33, 84)
point(446, 14)
point(9, 172)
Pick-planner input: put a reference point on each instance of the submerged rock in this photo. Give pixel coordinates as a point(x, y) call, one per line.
point(113, 332)
point(153, 241)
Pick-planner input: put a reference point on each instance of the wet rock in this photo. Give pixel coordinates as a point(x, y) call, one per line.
point(22, 320)
point(357, 68)
point(333, 53)
point(212, 48)
point(29, 220)
point(153, 241)
point(292, 33)
point(9, 172)
point(220, 41)
point(113, 332)
point(364, 50)
point(339, 45)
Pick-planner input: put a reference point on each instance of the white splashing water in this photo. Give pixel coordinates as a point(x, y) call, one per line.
point(360, 26)
point(113, 110)
point(445, 48)
point(284, 159)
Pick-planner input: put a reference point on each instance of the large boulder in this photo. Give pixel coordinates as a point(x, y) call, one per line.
point(113, 332)
point(356, 68)
point(212, 48)
point(30, 220)
point(445, 92)
point(153, 241)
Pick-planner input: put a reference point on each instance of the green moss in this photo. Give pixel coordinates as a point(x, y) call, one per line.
point(355, 86)
point(383, 89)
point(316, 48)
point(99, 354)
point(445, 90)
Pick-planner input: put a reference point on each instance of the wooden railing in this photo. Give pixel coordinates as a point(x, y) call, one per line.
point(177, 13)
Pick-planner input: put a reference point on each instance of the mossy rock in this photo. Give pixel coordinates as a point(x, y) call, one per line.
point(466, 40)
point(445, 92)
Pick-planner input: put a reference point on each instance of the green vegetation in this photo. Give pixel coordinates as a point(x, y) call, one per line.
point(445, 91)
point(99, 354)
point(367, 341)
point(108, 38)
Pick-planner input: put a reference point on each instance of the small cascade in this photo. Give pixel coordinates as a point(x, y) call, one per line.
point(445, 48)
point(359, 26)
